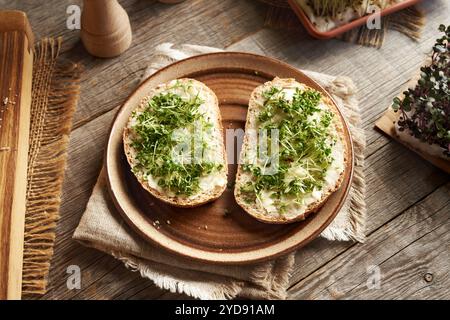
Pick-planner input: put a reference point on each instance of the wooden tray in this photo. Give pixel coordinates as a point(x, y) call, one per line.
point(312, 30)
point(207, 233)
point(387, 124)
point(16, 68)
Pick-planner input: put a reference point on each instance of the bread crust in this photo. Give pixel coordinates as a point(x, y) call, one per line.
point(314, 206)
point(178, 201)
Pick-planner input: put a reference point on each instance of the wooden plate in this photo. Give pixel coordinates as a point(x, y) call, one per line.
point(206, 233)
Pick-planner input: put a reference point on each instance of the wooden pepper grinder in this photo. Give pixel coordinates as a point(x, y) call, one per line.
point(105, 28)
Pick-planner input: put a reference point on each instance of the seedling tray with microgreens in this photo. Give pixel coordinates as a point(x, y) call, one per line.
point(325, 19)
point(420, 117)
point(220, 231)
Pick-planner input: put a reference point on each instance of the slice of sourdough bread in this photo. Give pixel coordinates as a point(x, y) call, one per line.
point(280, 204)
point(154, 171)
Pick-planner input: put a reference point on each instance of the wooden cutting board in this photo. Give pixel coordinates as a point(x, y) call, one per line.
point(16, 62)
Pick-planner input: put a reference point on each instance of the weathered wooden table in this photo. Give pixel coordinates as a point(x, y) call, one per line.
point(408, 227)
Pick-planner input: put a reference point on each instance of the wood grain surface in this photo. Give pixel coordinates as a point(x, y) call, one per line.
point(16, 60)
point(407, 197)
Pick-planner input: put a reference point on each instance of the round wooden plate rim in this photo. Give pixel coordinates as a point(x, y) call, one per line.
point(234, 258)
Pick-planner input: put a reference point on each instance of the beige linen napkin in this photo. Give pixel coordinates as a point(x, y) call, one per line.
point(103, 228)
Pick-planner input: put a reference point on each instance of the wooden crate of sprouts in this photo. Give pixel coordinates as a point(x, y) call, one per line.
point(420, 117)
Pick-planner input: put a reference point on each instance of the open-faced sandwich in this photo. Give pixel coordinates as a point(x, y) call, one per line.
point(173, 143)
point(304, 156)
point(424, 109)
